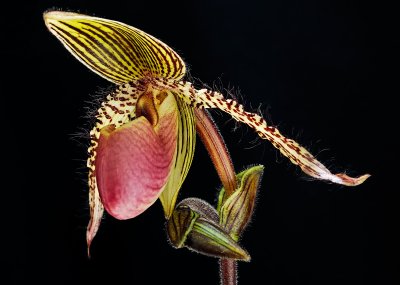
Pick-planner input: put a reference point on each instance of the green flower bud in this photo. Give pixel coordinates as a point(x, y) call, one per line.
point(194, 224)
point(236, 210)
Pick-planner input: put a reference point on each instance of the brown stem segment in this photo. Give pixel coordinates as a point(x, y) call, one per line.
point(228, 271)
point(215, 145)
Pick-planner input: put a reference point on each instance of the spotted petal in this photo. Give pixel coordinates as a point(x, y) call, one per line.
point(296, 153)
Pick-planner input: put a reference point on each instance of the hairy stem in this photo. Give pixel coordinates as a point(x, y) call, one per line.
point(228, 271)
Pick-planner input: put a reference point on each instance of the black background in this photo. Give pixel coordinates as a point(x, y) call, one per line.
point(325, 74)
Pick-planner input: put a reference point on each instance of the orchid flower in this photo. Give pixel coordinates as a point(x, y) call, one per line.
point(142, 144)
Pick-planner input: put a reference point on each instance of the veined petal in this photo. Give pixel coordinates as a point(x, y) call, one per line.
point(186, 142)
point(116, 51)
point(133, 162)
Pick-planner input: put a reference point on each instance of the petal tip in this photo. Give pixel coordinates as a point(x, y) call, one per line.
point(89, 239)
point(53, 16)
point(247, 258)
point(57, 15)
point(350, 181)
point(50, 15)
point(91, 231)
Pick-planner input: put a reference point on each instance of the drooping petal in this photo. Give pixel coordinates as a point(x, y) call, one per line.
point(186, 142)
point(118, 108)
point(134, 161)
point(116, 51)
point(296, 153)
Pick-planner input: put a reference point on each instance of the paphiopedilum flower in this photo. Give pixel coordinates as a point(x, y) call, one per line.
point(143, 141)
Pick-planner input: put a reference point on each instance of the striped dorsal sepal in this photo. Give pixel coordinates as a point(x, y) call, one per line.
point(116, 51)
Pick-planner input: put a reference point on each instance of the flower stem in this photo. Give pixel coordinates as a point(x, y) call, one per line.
point(215, 145)
point(228, 271)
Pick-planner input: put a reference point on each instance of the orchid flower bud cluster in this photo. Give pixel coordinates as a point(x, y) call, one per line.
point(195, 224)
